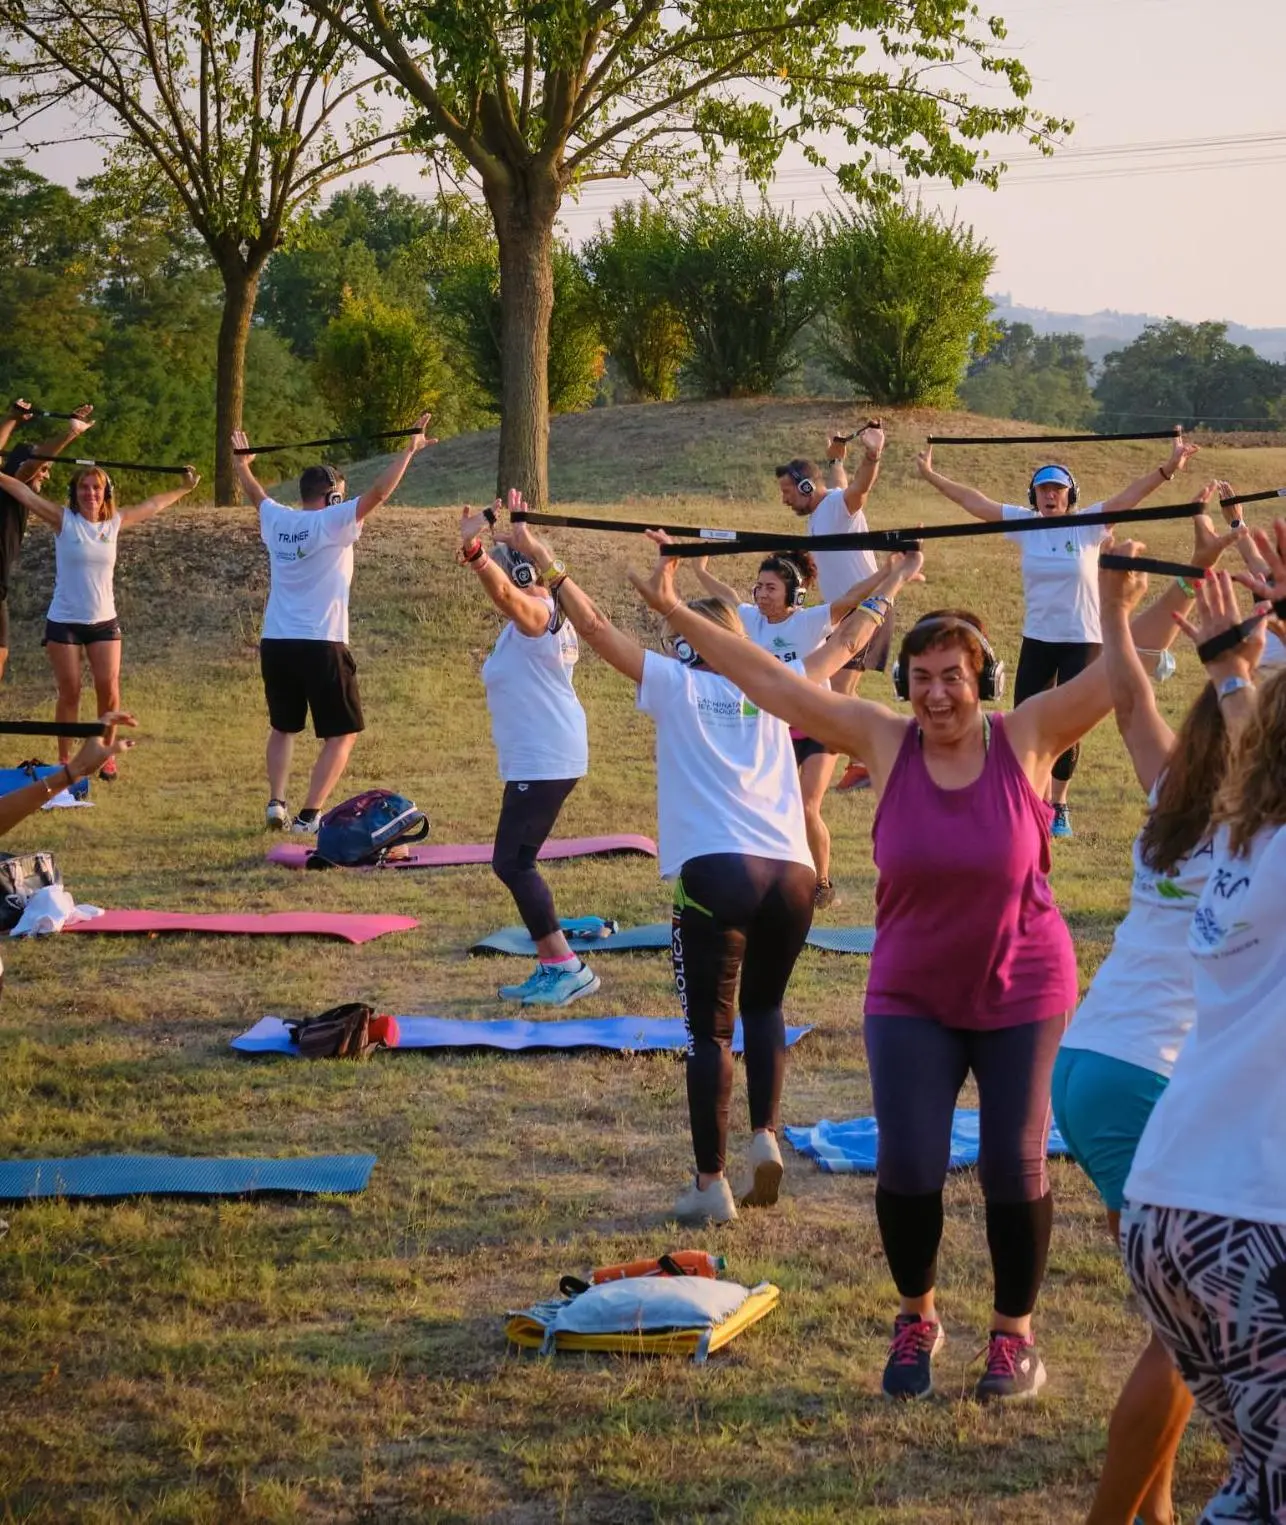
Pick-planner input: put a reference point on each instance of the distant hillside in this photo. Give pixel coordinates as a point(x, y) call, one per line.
point(1109, 330)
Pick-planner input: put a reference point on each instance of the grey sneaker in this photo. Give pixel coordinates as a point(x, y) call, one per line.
point(908, 1372)
point(765, 1172)
point(713, 1205)
point(1014, 1368)
point(825, 896)
point(560, 987)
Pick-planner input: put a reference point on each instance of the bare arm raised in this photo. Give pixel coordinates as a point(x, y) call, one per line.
point(969, 498)
point(140, 513)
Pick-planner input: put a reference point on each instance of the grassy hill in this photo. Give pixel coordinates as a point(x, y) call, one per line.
point(343, 1359)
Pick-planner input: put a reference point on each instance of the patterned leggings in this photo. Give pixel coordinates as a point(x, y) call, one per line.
point(1215, 1289)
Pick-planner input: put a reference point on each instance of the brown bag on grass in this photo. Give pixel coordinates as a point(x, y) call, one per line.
point(343, 1032)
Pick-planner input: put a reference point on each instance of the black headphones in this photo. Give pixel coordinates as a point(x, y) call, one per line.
point(805, 484)
point(334, 496)
point(684, 651)
point(109, 492)
point(792, 575)
point(1070, 484)
point(516, 568)
point(991, 680)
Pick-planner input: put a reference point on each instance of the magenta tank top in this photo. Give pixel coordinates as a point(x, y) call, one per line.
point(967, 931)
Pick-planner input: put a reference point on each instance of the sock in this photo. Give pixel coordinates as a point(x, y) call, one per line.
point(568, 965)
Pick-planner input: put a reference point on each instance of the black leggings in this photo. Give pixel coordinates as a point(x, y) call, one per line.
point(917, 1068)
point(527, 815)
point(736, 914)
point(1045, 664)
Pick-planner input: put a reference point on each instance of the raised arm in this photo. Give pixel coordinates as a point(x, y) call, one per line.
point(20, 412)
point(241, 464)
point(48, 513)
point(386, 484)
point(845, 724)
point(140, 513)
point(710, 583)
point(1148, 739)
point(871, 438)
point(531, 615)
point(616, 648)
point(1144, 486)
point(969, 498)
point(836, 471)
point(1216, 613)
point(855, 632)
point(20, 803)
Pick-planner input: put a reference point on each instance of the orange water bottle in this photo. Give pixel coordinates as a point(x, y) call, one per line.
point(677, 1263)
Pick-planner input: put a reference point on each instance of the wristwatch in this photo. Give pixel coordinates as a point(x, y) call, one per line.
point(552, 573)
point(1231, 685)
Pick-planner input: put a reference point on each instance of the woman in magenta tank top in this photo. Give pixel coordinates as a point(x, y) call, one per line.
point(973, 969)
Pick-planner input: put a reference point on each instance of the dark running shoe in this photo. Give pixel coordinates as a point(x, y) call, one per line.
point(908, 1372)
point(1014, 1368)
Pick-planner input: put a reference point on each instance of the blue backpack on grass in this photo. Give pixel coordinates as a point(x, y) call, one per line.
point(360, 832)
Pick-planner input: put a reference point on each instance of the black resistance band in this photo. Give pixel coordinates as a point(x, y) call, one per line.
point(1046, 439)
point(335, 439)
point(52, 728)
point(747, 539)
point(145, 466)
point(1115, 563)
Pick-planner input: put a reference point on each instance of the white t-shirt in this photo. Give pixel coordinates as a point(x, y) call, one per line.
point(537, 723)
point(310, 559)
point(1216, 1141)
point(837, 571)
point(84, 569)
point(791, 639)
point(1140, 1006)
point(726, 780)
point(1274, 651)
point(1060, 577)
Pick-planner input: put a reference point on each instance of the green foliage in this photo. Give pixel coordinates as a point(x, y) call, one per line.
point(1188, 373)
point(743, 284)
point(469, 296)
point(1042, 378)
point(906, 302)
point(378, 366)
point(628, 266)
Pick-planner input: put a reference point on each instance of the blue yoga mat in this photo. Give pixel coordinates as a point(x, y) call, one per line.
point(848, 1148)
point(656, 935)
point(164, 1175)
point(637, 1035)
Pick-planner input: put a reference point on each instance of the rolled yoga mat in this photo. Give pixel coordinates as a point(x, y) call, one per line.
point(656, 936)
point(848, 1148)
point(162, 1175)
point(352, 928)
point(457, 854)
point(637, 1035)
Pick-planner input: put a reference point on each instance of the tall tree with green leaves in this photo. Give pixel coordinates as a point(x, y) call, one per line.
point(242, 109)
point(534, 100)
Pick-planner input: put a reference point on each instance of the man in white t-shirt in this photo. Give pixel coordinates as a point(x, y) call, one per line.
point(840, 509)
point(303, 648)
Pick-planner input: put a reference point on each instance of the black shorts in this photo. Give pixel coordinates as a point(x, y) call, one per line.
point(321, 676)
point(874, 656)
point(805, 747)
point(4, 623)
point(60, 633)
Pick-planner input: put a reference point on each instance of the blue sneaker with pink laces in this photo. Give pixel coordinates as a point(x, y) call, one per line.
point(908, 1372)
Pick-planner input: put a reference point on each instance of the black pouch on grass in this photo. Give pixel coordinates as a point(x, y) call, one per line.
point(21, 875)
point(343, 1032)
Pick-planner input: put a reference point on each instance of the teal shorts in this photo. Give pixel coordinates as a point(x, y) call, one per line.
point(1102, 1106)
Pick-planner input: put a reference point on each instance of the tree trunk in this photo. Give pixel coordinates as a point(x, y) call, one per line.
point(240, 287)
point(524, 215)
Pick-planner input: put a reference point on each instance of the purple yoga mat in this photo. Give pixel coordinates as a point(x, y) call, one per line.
point(352, 928)
point(455, 854)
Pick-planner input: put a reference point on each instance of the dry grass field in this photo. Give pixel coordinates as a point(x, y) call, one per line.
point(343, 1359)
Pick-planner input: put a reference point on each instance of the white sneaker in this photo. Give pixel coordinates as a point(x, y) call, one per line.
point(276, 817)
point(713, 1205)
point(765, 1172)
point(301, 828)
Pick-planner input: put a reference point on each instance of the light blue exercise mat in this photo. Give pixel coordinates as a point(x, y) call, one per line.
point(656, 937)
point(848, 1148)
point(164, 1175)
point(634, 1035)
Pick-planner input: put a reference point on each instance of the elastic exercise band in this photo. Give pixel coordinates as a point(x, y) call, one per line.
point(1115, 563)
point(171, 471)
point(1253, 497)
point(1045, 439)
point(1227, 639)
point(747, 539)
point(896, 539)
point(52, 728)
point(335, 439)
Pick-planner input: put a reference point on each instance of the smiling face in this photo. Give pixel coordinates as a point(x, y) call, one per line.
point(769, 595)
point(89, 494)
point(34, 473)
point(1052, 498)
point(943, 689)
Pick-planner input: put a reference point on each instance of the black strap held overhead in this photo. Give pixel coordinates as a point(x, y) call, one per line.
point(52, 728)
point(746, 539)
point(1046, 439)
point(1226, 640)
point(335, 439)
point(144, 466)
point(1115, 563)
point(898, 539)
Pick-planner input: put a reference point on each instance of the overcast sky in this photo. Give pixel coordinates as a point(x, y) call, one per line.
point(1185, 230)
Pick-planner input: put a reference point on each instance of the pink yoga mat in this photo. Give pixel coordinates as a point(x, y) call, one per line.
point(353, 929)
point(454, 854)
